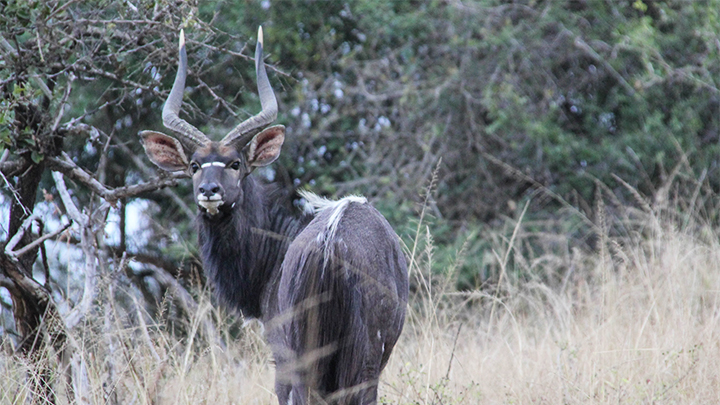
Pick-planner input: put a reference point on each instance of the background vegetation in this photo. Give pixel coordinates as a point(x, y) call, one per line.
point(552, 167)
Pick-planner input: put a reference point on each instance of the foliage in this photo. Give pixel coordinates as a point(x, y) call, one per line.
point(648, 301)
point(527, 111)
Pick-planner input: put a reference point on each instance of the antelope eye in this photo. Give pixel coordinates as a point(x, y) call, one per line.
point(194, 167)
point(235, 165)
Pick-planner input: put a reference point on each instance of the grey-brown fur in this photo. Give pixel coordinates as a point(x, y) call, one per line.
point(331, 324)
point(340, 318)
point(331, 288)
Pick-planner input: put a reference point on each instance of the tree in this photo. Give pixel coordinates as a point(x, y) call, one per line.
point(512, 98)
point(78, 80)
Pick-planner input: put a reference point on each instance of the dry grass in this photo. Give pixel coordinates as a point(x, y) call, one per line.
point(636, 322)
point(645, 331)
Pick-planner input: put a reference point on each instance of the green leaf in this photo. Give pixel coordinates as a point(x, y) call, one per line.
point(639, 5)
point(5, 138)
point(28, 141)
point(36, 156)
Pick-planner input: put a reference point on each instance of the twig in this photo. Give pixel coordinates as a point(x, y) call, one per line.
point(43, 258)
point(170, 193)
point(108, 75)
point(390, 95)
point(519, 174)
point(60, 9)
point(87, 244)
point(72, 210)
point(452, 355)
point(14, 193)
point(225, 50)
point(152, 185)
point(40, 240)
point(589, 52)
point(238, 54)
point(504, 262)
point(132, 22)
point(75, 125)
point(65, 165)
point(188, 304)
point(4, 44)
point(146, 258)
point(19, 234)
point(63, 102)
point(217, 98)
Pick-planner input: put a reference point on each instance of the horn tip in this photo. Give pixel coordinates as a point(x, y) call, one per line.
point(182, 38)
point(260, 35)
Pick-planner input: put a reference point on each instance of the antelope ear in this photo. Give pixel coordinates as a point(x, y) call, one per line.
point(165, 151)
point(265, 146)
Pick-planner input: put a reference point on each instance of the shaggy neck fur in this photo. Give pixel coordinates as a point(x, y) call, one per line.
point(242, 249)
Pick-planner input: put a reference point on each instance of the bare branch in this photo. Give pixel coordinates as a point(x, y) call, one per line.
point(65, 165)
point(131, 22)
point(156, 261)
point(14, 193)
point(6, 282)
point(113, 76)
point(72, 210)
point(87, 244)
point(12, 167)
point(19, 234)
point(61, 8)
point(152, 185)
point(22, 281)
point(40, 240)
point(217, 98)
point(63, 103)
point(168, 192)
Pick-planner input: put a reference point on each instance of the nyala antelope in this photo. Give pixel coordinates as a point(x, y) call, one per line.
point(330, 286)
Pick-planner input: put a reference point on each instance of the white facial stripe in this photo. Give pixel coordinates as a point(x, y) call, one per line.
point(208, 164)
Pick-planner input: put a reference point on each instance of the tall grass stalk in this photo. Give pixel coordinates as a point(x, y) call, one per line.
point(636, 320)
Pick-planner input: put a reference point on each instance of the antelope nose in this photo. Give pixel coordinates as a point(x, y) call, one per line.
point(209, 189)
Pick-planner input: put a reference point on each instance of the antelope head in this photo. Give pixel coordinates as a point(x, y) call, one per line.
point(217, 168)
